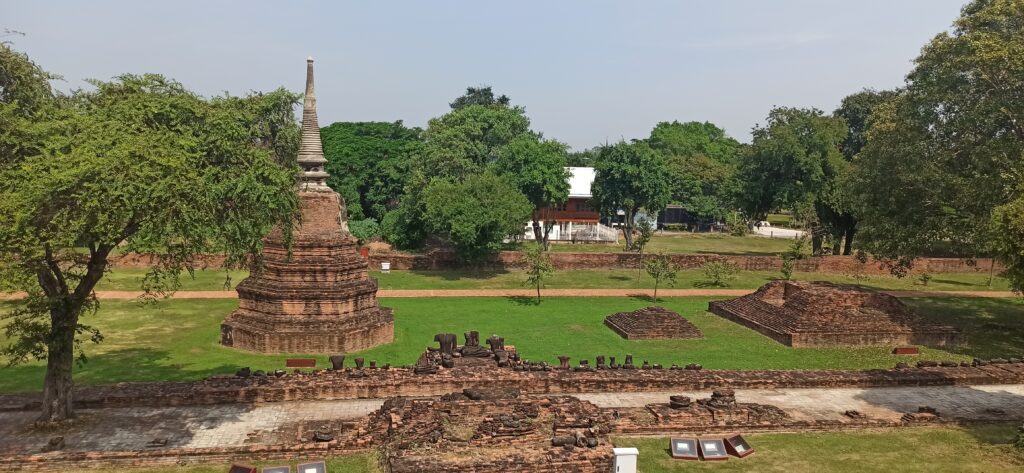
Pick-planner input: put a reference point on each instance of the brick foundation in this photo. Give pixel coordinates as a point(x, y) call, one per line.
point(801, 314)
point(652, 323)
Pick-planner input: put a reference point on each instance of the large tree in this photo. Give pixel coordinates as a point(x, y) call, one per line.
point(630, 177)
point(369, 164)
point(856, 110)
point(466, 140)
point(457, 145)
point(794, 162)
point(537, 168)
point(476, 214)
point(944, 161)
point(702, 160)
point(137, 164)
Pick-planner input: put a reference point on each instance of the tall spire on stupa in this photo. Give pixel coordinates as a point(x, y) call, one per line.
point(311, 151)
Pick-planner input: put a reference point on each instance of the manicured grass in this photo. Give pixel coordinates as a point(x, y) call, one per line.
point(781, 220)
point(707, 243)
point(130, 279)
point(176, 339)
point(983, 448)
point(358, 463)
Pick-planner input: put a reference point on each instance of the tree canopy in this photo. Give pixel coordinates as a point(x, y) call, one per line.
point(459, 146)
point(630, 177)
point(702, 161)
point(476, 213)
point(537, 168)
point(794, 162)
point(369, 164)
point(135, 164)
point(465, 140)
point(947, 151)
point(482, 95)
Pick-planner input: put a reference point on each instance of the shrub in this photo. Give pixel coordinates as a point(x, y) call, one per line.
point(364, 230)
point(675, 227)
point(719, 273)
point(737, 224)
point(537, 263)
point(402, 229)
point(797, 251)
point(661, 268)
point(859, 272)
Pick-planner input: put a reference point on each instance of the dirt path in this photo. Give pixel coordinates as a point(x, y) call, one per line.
point(545, 292)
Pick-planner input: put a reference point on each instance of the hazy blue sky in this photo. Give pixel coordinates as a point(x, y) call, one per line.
point(586, 71)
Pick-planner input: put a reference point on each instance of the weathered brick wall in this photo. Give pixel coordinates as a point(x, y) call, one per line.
point(510, 260)
point(569, 261)
point(381, 383)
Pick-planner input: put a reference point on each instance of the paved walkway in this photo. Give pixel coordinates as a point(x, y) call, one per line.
point(232, 425)
point(533, 293)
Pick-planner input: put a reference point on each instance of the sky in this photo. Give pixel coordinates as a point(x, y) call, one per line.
point(587, 71)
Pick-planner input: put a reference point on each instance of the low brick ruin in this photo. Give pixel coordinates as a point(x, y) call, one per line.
point(315, 297)
point(547, 434)
point(820, 314)
point(652, 323)
point(384, 381)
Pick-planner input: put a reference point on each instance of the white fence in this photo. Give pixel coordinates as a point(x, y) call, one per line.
point(577, 232)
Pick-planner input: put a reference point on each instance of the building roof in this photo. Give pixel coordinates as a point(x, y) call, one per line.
point(580, 180)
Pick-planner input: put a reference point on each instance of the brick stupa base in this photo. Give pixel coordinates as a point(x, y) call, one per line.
point(651, 323)
point(320, 300)
point(820, 314)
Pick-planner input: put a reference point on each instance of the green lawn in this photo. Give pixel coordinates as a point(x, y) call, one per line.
point(708, 243)
point(130, 279)
point(359, 463)
point(983, 448)
point(781, 220)
point(176, 339)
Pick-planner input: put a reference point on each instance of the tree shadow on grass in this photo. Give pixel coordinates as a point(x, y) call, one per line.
point(644, 298)
point(458, 275)
point(523, 300)
point(134, 364)
point(991, 328)
point(709, 285)
point(952, 282)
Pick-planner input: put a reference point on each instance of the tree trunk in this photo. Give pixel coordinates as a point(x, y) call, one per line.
point(538, 234)
point(639, 267)
point(815, 242)
point(547, 233)
point(848, 247)
point(656, 291)
point(538, 292)
point(836, 243)
point(991, 271)
point(60, 350)
point(60, 357)
point(627, 231)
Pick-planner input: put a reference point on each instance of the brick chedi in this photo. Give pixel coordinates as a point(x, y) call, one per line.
point(318, 299)
point(819, 314)
point(651, 323)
